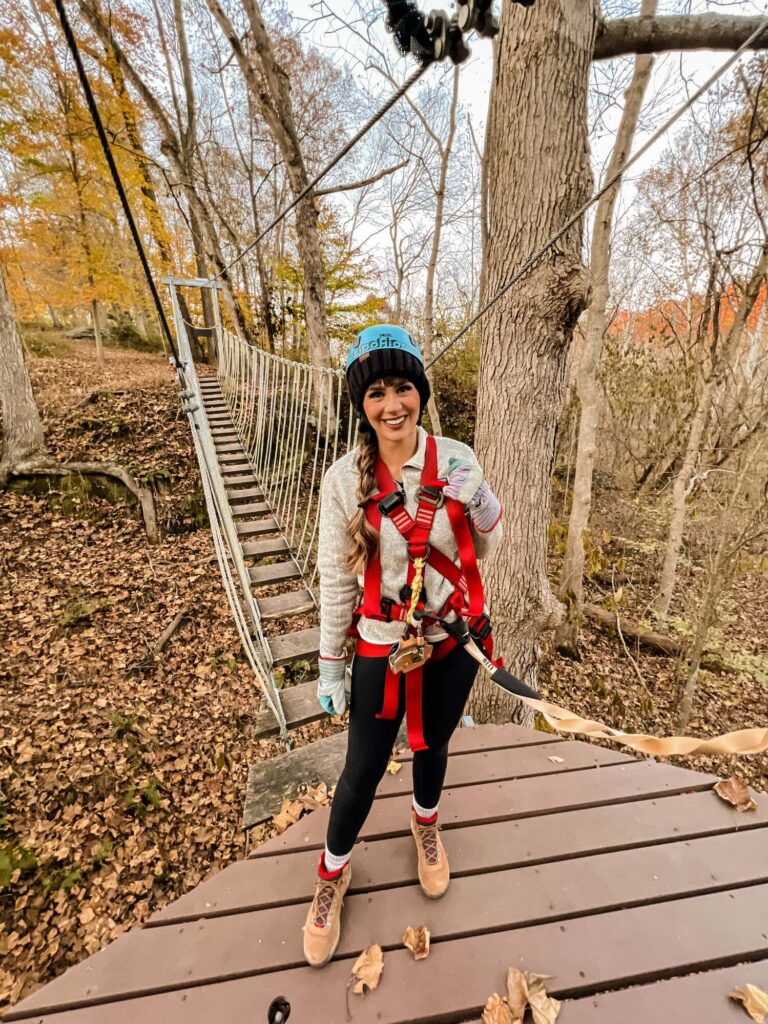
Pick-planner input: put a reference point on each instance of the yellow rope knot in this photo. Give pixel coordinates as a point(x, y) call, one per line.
point(416, 587)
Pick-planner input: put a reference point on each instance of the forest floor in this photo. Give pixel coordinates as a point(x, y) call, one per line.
point(122, 774)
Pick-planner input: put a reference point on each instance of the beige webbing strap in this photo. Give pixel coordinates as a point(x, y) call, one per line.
point(742, 741)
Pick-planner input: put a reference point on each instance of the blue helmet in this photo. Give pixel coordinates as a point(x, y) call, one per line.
point(384, 350)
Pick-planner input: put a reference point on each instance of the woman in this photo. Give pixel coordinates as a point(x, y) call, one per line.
point(402, 518)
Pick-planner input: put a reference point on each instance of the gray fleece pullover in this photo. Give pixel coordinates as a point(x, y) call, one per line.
point(340, 591)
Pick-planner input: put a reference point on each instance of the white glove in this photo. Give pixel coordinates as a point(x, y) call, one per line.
point(330, 685)
point(466, 484)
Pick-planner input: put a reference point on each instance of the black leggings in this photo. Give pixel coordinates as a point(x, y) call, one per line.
point(445, 688)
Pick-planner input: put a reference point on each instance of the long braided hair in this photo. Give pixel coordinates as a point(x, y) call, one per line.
point(363, 538)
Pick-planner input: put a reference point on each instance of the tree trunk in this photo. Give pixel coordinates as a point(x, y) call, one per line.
point(269, 89)
point(429, 287)
point(572, 574)
point(96, 321)
point(22, 429)
point(538, 174)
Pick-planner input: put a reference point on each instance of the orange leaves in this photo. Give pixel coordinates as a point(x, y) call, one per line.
point(524, 989)
point(735, 792)
point(292, 810)
point(417, 940)
point(366, 970)
point(754, 1001)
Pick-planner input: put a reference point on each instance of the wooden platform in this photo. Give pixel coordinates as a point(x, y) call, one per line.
point(631, 883)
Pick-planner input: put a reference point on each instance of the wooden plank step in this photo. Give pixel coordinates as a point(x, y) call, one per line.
point(300, 706)
point(225, 433)
point(256, 526)
point(236, 466)
point(586, 955)
point(243, 493)
point(270, 782)
point(265, 548)
point(238, 478)
point(229, 448)
point(262, 575)
point(232, 459)
point(294, 602)
point(287, 878)
point(693, 999)
point(254, 508)
point(303, 644)
point(518, 798)
point(500, 902)
point(484, 766)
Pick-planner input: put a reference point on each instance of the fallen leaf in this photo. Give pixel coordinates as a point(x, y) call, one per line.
point(734, 791)
point(367, 969)
point(556, 760)
point(289, 813)
point(524, 988)
point(496, 1011)
point(417, 940)
point(393, 767)
point(755, 1001)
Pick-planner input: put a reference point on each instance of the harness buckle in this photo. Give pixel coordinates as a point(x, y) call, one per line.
point(430, 495)
point(387, 604)
point(481, 627)
point(406, 594)
point(388, 504)
point(416, 550)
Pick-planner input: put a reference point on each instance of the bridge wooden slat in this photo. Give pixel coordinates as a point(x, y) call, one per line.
point(468, 769)
point(303, 644)
point(236, 494)
point(271, 940)
point(584, 954)
point(264, 548)
point(289, 878)
point(232, 459)
point(504, 801)
point(249, 509)
point(300, 706)
point(279, 778)
point(228, 447)
point(261, 575)
point(256, 526)
point(293, 602)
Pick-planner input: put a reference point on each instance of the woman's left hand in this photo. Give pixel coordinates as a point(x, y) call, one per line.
point(466, 484)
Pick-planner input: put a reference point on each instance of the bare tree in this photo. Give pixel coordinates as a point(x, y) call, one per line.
point(572, 573)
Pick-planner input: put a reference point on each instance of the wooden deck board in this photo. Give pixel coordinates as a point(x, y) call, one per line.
point(649, 942)
point(303, 644)
point(519, 798)
point(384, 863)
point(630, 882)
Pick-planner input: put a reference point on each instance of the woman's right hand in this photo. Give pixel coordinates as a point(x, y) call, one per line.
point(330, 686)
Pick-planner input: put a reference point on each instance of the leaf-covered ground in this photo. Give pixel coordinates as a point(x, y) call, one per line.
point(123, 774)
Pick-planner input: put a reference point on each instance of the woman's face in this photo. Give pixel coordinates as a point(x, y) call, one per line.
point(392, 408)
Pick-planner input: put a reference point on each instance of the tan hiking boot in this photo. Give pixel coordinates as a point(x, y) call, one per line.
point(322, 929)
point(434, 873)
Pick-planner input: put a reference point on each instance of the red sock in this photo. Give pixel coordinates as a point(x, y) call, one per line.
point(426, 821)
point(324, 873)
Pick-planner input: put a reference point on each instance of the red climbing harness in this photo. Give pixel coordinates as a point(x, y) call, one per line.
point(467, 599)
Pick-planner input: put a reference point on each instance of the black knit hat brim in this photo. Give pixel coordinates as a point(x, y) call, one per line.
point(391, 362)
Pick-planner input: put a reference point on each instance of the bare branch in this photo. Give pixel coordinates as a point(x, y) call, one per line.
point(352, 185)
point(677, 32)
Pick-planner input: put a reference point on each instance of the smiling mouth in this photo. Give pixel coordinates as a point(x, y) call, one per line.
point(396, 423)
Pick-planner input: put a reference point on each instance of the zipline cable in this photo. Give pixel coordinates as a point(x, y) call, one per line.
point(533, 260)
point(346, 148)
point(96, 116)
